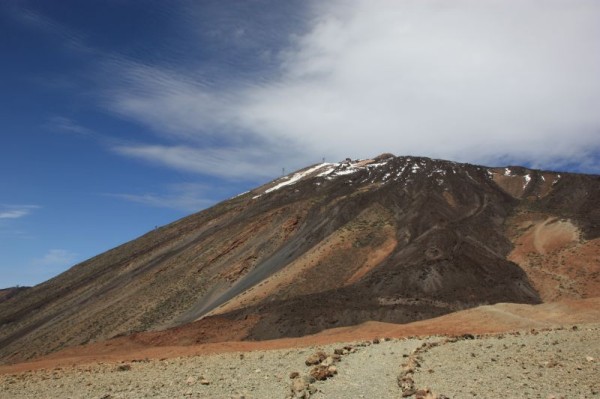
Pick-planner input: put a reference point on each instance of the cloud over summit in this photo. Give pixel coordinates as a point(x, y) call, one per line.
point(484, 82)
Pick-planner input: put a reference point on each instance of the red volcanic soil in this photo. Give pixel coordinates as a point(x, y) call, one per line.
point(559, 262)
point(179, 342)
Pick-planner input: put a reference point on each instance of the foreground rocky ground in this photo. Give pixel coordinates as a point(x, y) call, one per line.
point(559, 362)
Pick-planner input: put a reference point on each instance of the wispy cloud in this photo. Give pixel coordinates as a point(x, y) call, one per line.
point(250, 162)
point(56, 258)
point(16, 211)
point(484, 82)
point(187, 197)
point(67, 125)
point(71, 38)
point(467, 80)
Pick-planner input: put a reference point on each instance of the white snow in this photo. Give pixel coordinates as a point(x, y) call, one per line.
point(327, 171)
point(507, 172)
point(375, 165)
point(527, 180)
point(240, 194)
point(348, 171)
point(296, 177)
point(401, 171)
point(556, 180)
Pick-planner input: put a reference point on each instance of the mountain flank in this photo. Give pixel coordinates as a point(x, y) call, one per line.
point(389, 239)
point(7, 293)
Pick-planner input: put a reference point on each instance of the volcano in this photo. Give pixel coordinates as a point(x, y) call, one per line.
point(388, 239)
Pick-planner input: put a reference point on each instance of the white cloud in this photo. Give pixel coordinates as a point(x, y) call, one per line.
point(67, 125)
point(474, 81)
point(463, 79)
point(188, 197)
point(56, 258)
point(249, 162)
point(16, 211)
point(13, 214)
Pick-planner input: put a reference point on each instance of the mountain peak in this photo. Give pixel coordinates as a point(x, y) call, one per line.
point(394, 239)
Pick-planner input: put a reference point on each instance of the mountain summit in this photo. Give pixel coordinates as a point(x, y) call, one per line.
point(394, 239)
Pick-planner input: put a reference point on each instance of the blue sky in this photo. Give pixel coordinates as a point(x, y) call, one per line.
point(117, 116)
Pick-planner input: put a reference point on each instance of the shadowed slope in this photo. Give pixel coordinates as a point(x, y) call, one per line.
point(224, 337)
point(388, 239)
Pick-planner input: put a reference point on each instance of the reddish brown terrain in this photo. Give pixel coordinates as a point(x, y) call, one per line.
point(227, 337)
point(390, 246)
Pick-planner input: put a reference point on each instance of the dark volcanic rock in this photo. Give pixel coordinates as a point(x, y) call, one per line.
point(393, 239)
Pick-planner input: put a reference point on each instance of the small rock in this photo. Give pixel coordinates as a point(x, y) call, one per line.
point(321, 373)
point(376, 340)
point(294, 374)
point(308, 379)
point(552, 363)
point(301, 388)
point(204, 381)
point(298, 385)
point(124, 367)
point(338, 351)
point(190, 380)
point(315, 358)
point(423, 394)
point(589, 358)
point(328, 361)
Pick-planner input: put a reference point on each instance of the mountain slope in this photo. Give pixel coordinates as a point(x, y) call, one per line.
point(393, 239)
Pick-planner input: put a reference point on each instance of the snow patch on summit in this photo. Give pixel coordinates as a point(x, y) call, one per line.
point(527, 179)
point(296, 177)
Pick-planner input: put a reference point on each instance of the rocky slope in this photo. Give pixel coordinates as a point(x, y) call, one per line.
point(7, 293)
point(393, 239)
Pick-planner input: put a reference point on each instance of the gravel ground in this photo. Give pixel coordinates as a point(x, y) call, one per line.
point(546, 364)
point(529, 365)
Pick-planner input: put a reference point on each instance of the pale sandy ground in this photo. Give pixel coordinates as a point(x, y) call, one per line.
point(553, 361)
point(548, 364)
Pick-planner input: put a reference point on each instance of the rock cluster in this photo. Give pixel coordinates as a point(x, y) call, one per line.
point(405, 378)
point(323, 368)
